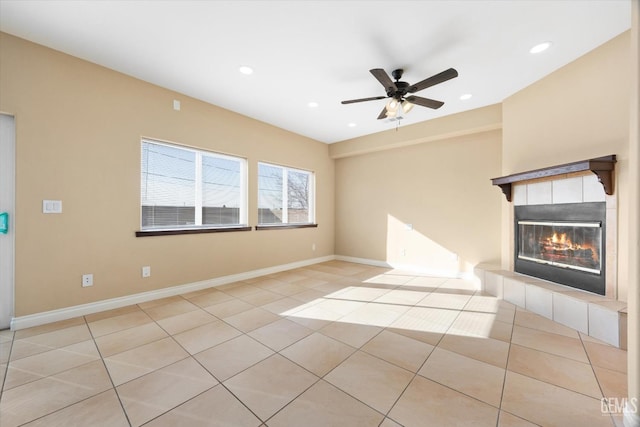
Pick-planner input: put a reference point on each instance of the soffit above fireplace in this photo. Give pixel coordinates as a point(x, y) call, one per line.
point(603, 167)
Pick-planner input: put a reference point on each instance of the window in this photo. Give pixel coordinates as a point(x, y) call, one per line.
point(184, 188)
point(285, 195)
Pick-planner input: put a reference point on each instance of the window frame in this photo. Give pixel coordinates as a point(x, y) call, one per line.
point(285, 208)
point(198, 227)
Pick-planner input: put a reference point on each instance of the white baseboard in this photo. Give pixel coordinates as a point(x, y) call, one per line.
point(365, 261)
point(451, 274)
point(37, 319)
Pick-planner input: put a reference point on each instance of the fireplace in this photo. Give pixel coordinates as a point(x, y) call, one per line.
point(563, 243)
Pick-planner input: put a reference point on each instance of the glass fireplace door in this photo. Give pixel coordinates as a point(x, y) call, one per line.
point(573, 245)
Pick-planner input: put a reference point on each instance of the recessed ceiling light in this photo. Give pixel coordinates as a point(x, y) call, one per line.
point(466, 96)
point(540, 47)
point(312, 104)
point(351, 125)
point(246, 70)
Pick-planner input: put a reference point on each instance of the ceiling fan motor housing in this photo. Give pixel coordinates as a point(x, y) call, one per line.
point(401, 91)
point(401, 87)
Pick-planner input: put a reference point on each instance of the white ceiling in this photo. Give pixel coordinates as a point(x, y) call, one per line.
point(321, 51)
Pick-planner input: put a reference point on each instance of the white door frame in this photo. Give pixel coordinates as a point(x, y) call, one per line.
point(7, 204)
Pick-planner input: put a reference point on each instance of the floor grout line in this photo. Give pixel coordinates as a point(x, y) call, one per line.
point(104, 364)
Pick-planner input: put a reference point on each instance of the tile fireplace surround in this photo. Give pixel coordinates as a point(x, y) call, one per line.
point(602, 317)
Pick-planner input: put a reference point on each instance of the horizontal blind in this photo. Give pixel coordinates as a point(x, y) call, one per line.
point(167, 186)
point(183, 187)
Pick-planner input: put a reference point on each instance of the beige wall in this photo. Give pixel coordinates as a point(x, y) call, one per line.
point(581, 111)
point(78, 136)
point(480, 120)
point(440, 187)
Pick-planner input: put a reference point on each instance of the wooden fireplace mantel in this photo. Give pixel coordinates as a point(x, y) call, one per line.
point(603, 167)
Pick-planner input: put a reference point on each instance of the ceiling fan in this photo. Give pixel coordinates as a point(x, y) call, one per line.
point(397, 91)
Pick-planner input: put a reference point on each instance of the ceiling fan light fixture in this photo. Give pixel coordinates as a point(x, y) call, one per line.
point(407, 106)
point(392, 105)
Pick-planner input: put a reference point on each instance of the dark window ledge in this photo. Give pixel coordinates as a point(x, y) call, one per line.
point(174, 231)
point(284, 226)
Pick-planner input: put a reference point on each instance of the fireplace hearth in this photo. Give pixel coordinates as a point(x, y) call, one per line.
point(563, 243)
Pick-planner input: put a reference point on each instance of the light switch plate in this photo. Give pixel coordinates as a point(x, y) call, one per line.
point(52, 206)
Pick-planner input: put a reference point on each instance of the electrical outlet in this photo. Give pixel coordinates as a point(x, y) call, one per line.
point(146, 271)
point(313, 247)
point(87, 280)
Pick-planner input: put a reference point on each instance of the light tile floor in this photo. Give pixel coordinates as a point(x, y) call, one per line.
point(331, 344)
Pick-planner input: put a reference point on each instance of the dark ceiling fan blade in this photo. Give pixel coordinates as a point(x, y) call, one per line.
point(373, 98)
point(433, 80)
point(425, 102)
point(384, 79)
point(383, 113)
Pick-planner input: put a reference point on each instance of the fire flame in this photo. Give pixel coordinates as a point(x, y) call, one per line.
point(561, 241)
